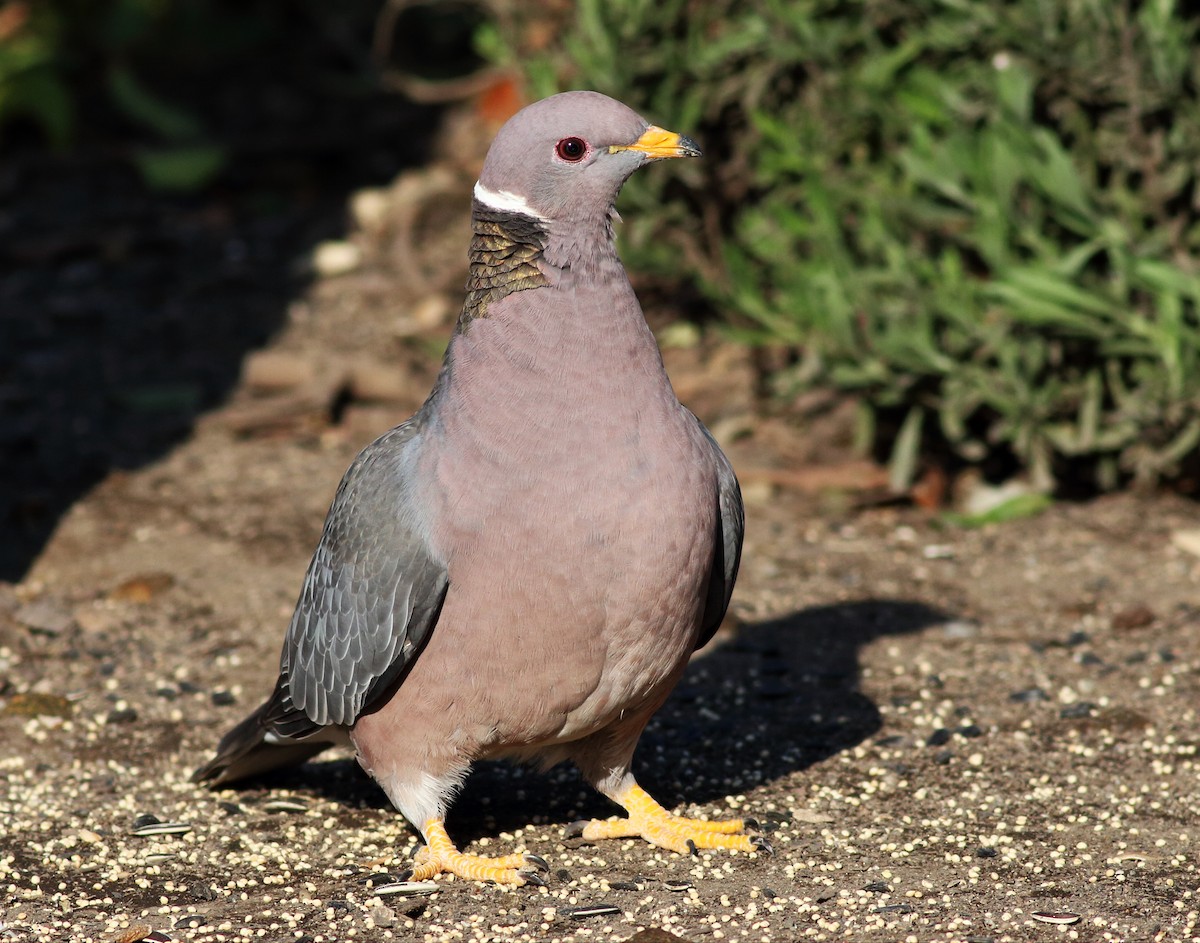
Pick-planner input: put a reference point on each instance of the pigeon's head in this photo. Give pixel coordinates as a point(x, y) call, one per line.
point(565, 158)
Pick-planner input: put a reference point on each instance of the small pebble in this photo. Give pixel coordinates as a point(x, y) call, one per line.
point(1135, 617)
point(938, 738)
point(335, 257)
point(1079, 709)
point(1029, 696)
point(202, 891)
point(43, 618)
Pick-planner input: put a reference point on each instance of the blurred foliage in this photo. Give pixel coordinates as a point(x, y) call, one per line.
point(982, 217)
point(61, 60)
point(149, 78)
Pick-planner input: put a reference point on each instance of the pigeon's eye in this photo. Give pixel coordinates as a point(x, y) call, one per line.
point(571, 149)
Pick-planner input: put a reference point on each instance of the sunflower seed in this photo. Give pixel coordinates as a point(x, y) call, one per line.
point(405, 889)
point(161, 828)
point(285, 805)
point(589, 910)
point(1060, 918)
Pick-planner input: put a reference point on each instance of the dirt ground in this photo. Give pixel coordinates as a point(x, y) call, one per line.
point(953, 734)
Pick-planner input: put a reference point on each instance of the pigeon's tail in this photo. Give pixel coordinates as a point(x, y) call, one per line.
point(254, 747)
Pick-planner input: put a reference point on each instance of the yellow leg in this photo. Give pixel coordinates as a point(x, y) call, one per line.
point(440, 856)
point(649, 820)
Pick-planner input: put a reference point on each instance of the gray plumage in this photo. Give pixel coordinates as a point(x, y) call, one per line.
point(523, 568)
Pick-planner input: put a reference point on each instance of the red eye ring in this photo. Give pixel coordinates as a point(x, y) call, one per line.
point(572, 150)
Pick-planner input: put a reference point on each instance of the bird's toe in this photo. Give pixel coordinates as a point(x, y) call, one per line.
point(684, 836)
point(441, 856)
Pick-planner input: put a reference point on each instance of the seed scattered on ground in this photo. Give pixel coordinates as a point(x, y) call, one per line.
point(1064, 918)
point(589, 910)
point(894, 909)
point(285, 805)
point(161, 828)
point(406, 889)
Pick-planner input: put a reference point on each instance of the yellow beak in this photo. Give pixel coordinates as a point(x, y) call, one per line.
point(659, 143)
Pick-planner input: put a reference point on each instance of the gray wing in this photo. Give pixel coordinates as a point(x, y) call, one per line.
point(727, 555)
point(371, 596)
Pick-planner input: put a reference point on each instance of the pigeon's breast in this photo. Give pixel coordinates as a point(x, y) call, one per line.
point(576, 500)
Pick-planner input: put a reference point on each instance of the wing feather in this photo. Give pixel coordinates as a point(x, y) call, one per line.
point(370, 597)
point(727, 554)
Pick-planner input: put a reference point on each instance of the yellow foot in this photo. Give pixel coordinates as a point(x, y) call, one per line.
point(652, 822)
point(440, 856)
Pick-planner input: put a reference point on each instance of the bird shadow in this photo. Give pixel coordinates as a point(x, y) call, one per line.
point(777, 698)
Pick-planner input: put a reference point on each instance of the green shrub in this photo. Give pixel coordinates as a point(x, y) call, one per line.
point(982, 217)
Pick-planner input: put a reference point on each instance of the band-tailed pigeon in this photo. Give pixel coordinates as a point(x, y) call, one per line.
point(523, 568)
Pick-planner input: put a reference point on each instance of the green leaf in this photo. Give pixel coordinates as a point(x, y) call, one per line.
point(170, 122)
point(180, 168)
point(42, 96)
point(1023, 505)
point(902, 466)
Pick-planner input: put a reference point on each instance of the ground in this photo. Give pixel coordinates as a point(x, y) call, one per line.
point(981, 734)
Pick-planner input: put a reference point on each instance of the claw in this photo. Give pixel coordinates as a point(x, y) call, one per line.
point(403, 875)
point(761, 845)
point(575, 829)
point(532, 877)
point(752, 825)
point(692, 849)
point(441, 856)
point(537, 861)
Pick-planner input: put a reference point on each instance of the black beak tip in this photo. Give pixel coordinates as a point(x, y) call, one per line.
point(689, 148)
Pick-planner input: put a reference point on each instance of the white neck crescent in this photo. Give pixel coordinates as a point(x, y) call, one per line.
point(506, 201)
